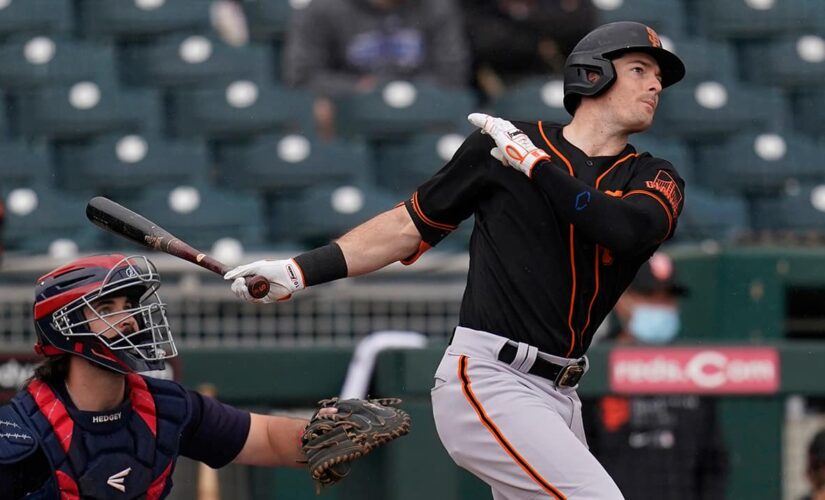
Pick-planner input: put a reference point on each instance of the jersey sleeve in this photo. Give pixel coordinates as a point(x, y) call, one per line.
point(215, 433)
point(659, 180)
point(439, 205)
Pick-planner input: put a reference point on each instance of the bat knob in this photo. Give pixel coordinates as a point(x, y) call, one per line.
point(258, 286)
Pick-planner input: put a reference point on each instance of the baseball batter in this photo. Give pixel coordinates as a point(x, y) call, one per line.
point(557, 239)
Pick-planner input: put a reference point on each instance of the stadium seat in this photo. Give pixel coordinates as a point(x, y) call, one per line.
point(238, 109)
point(24, 164)
point(38, 215)
point(322, 213)
point(35, 61)
point(713, 108)
point(808, 110)
point(293, 161)
point(136, 19)
point(532, 100)
point(401, 108)
point(760, 163)
point(673, 150)
point(667, 17)
point(87, 108)
point(179, 59)
point(129, 164)
point(705, 59)
point(792, 61)
point(403, 165)
point(201, 215)
point(35, 16)
point(801, 209)
point(711, 216)
point(269, 19)
point(746, 19)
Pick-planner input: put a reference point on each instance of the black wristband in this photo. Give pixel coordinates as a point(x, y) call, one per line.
point(323, 264)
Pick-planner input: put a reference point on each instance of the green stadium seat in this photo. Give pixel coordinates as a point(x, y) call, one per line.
point(808, 110)
point(322, 213)
point(741, 19)
point(133, 19)
point(238, 109)
point(37, 215)
point(714, 108)
point(269, 19)
point(532, 100)
point(24, 164)
point(35, 16)
point(87, 108)
point(201, 215)
point(667, 17)
point(403, 165)
point(710, 216)
point(401, 108)
point(34, 61)
point(761, 163)
point(292, 161)
point(178, 59)
point(128, 164)
point(795, 61)
point(801, 210)
point(705, 59)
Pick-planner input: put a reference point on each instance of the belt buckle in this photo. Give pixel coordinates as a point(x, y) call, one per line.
point(569, 376)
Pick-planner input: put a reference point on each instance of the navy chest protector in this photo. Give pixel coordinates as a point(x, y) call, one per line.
point(127, 453)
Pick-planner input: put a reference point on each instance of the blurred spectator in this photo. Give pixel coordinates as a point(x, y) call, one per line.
point(2, 217)
point(816, 467)
point(229, 21)
point(340, 46)
point(667, 446)
point(515, 39)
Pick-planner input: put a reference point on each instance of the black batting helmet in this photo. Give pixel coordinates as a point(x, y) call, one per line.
point(598, 48)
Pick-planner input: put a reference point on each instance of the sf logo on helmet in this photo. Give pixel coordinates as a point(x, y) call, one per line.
point(653, 37)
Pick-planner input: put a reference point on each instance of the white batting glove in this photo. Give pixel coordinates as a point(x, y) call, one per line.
point(514, 148)
point(284, 278)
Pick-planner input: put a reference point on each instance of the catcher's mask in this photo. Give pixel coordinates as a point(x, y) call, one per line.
point(595, 52)
point(105, 309)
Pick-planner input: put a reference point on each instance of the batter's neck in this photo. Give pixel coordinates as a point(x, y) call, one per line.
point(595, 139)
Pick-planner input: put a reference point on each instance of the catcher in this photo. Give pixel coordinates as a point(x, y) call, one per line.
point(88, 425)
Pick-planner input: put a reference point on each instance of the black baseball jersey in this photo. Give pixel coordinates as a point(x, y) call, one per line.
point(551, 254)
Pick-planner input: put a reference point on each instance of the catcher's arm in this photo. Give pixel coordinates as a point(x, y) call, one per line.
point(275, 441)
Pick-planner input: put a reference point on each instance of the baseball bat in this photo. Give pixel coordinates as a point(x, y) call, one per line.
point(119, 220)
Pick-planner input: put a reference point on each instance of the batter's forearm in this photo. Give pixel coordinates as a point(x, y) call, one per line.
point(382, 240)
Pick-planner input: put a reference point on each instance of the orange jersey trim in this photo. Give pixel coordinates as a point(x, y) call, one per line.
point(664, 206)
point(498, 436)
point(427, 220)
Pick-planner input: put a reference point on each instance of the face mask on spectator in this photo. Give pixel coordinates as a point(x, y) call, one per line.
point(654, 324)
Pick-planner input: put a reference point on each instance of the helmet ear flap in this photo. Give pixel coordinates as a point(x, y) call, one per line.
point(577, 83)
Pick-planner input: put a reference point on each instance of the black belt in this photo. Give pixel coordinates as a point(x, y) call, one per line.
point(562, 376)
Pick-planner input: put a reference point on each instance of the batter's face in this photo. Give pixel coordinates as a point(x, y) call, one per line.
point(631, 101)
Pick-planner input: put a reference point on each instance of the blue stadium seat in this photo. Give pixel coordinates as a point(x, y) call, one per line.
point(403, 165)
point(183, 59)
point(792, 61)
point(24, 164)
point(402, 108)
point(87, 108)
point(667, 17)
point(293, 161)
point(705, 59)
point(201, 215)
point(269, 19)
point(808, 110)
point(712, 108)
point(132, 20)
point(712, 216)
point(239, 109)
point(763, 163)
point(34, 61)
point(804, 209)
point(35, 16)
point(129, 164)
point(740, 19)
point(532, 100)
point(37, 215)
point(322, 213)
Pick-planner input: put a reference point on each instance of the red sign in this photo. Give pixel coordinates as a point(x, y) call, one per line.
point(724, 370)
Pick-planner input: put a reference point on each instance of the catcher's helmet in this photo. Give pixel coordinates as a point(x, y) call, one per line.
point(597, 49)
point(68, 299)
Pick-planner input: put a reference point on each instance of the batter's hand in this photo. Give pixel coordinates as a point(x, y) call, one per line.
point(284, 278)
point(514, 148)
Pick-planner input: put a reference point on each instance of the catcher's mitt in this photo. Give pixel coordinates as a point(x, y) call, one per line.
point(332, 442)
